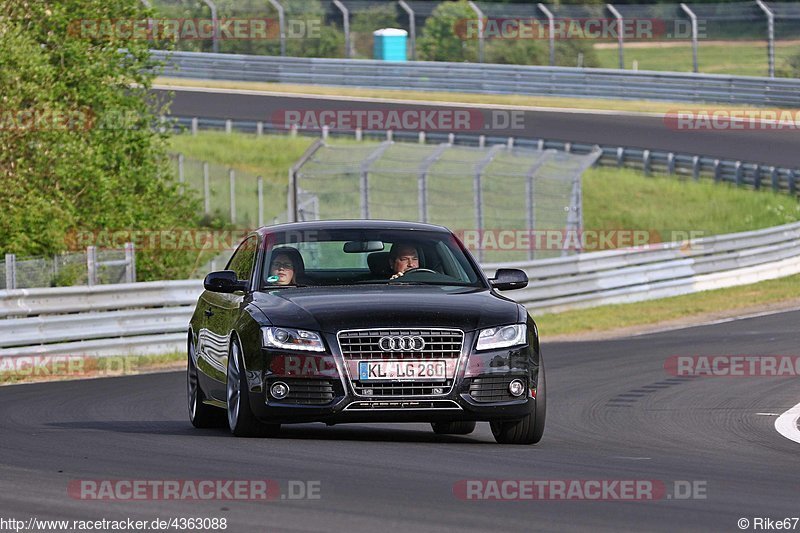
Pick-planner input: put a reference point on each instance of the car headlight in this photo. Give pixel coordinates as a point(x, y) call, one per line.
point(292, 339)
point(501, 337)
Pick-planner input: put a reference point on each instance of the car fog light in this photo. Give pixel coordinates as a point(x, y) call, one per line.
point(279, 390)
point(516, 387)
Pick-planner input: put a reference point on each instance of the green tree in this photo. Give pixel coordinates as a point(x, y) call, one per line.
point(446, 36)
point(80, 147)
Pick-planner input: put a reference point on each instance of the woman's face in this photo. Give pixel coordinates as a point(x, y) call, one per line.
point(283, 268)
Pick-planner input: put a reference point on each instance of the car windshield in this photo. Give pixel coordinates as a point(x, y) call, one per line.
point(371, 256)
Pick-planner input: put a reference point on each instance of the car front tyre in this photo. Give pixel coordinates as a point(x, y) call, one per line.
point(201, 414)
point(241, 420)
point(528, 430)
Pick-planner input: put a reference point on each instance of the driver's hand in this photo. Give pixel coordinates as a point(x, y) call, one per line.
point(397, 275)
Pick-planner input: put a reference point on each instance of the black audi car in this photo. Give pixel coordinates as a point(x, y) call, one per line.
point(363, 321)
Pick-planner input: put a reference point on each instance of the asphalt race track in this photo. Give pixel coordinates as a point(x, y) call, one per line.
point(772, 147)
point(614, 414)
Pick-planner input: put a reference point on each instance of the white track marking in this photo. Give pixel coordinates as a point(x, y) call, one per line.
point(786, 424)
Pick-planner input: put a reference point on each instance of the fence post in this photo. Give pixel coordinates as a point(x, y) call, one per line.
point(646, 162)
point(696, 168)
point(551, 32)
point(359, 134)
point(792, 182)
point(620, 156)
point(412, 28)
point(259, 128)
point(181, 177)
point(671, 163)
point(346, 26)
point(130, 263)
point(195, 125)
point(228, 126)
point(11, 271)
point(232, 179)
point(482, 28)
point(738, 167)
point(281, 24)
point(421, 137)
point(91, 266)
point(717, 171)
point(215, 23)
point(620, 34)
point(206, 189)
point(693, 18)
point(773, 174)
point(260, 182)
point(757, 177)
point(770, 36)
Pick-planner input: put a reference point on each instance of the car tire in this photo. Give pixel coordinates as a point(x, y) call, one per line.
point(460, 427)
point(528, 430)
point(241, 420)
point(201, 415)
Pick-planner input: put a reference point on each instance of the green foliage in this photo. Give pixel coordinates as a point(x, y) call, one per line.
point(443, 36)
point(567, 51)
point(517, 52)
point(93, 160)
point(367, 21)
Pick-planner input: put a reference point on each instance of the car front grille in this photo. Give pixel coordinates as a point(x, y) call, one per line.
point(364, 344)
point(403, 388)
point(492, 388)
point(307, 392)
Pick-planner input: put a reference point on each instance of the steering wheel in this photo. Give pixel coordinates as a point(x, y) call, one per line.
point(410, 270)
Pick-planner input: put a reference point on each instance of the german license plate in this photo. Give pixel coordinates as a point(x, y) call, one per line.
point(429, 370)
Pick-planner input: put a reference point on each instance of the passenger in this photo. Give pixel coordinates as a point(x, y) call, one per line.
point(402, 258)
point(286, 267)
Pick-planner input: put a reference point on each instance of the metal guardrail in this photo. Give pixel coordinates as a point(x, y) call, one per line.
point(153, 317)
point(486, 78)
point(739, 173)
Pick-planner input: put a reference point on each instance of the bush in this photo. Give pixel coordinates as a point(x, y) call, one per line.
point(518, 52)
point(93, 159)
point(440, 39)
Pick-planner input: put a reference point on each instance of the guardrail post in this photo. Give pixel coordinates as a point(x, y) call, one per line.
point(345, 25)
point(551, 31)
point(738, 168)
point(389, 135)
point(412, 28)
point(620, 34)
point(717, 171)
point(194, 126)
point(693, 19)
point(540, 145)
point(568, 147)
point(696, 168)
point(232, 180)
point(206, 189)
point(792, 182)
point(181, 177)
point(620, 156)
point(773, 174)
point(260, 185)
point(228, 126)
point(770, 36)
point(482, 26)
point(91, 266)
point(281, 24)
point(130, 263)
point(421, 137)
point(510, 144)
point(481, 141)
point(359, 134)
point(646, 162)
point(671, 163)
point(325, 132)
point(259, 128)
point(451, 138)
point(11, 271)
point(757, 177)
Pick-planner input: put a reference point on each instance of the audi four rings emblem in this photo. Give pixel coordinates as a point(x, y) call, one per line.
point(401, 343)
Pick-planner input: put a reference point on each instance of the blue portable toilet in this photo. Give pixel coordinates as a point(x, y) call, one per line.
point(390, 44)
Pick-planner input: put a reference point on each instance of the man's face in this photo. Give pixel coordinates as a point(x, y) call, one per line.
point(406, 259)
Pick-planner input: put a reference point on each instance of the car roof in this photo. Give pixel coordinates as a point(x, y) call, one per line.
point(352, 225)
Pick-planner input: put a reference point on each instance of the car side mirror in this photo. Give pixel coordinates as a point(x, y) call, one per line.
point(224, 281)
point(506, 279)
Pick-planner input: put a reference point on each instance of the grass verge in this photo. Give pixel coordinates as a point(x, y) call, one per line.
point(42, 368)
point(690, 308)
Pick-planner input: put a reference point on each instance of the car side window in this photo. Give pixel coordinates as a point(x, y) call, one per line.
point(244, 258)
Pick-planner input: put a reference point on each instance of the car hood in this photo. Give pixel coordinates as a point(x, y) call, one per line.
point(331, 309)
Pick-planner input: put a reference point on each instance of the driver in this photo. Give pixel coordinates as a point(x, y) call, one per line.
point(402, 258)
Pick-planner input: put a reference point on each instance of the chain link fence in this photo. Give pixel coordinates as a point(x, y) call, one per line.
point(90, 267)
point(747, 37)
point(486, 194)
